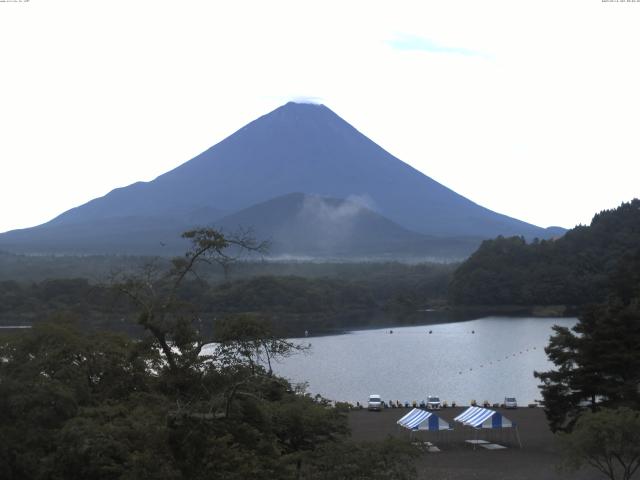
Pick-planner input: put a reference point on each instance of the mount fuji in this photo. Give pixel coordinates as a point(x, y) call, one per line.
point(302, 149)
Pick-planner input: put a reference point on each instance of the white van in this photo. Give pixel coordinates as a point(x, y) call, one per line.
point(510, 402)
point(375, 402)
point(433, 402)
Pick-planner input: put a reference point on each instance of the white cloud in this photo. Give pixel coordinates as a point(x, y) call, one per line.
point(404, 42)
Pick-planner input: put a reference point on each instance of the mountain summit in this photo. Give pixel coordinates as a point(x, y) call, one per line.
point(298, 147)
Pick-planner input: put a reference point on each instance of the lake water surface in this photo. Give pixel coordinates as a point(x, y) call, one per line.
point(484, 359)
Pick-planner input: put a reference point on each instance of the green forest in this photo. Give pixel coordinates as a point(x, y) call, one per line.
point(573, 270)
point(298, 297)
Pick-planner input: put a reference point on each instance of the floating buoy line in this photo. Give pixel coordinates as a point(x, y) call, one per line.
point(490, 362)
point(507, 357)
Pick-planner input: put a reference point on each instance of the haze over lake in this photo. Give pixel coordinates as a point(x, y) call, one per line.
point(452, 361)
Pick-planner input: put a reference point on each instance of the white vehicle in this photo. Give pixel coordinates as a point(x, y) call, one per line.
point(510, 402)
point(375, 402)
point(433, 403)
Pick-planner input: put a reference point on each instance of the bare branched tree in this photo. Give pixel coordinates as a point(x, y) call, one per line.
point(224, 249)
point(175, 324)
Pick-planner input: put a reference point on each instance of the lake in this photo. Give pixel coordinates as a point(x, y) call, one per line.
point(483, 359)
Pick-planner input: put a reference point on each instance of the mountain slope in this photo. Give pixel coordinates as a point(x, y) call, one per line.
point(296, 148)
point(299, 224)
point(130, 234)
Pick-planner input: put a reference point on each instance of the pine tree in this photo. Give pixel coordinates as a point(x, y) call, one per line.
point(598, 360)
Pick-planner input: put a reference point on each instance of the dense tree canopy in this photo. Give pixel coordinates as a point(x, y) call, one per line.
point(598, 361)
point(331, 297)
point(608, 440)
point(572, 270)
point(78, 405)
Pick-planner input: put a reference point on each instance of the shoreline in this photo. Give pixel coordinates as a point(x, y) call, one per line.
point(380, 320)
point(442, 316)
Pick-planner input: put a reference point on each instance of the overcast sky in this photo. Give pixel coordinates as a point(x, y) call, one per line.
point(530, 108)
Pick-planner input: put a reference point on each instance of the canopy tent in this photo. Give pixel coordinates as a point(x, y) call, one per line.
point(418, 419)
point(479, 418)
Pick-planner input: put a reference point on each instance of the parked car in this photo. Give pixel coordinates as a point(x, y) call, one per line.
point(433, 403)
point(510, 402)
point(375, 402)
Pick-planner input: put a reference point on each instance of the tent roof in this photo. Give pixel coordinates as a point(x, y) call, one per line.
point(479, 417)
point(418, 419)
point(468, 413)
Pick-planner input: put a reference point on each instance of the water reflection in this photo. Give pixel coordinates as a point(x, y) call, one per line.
point(484, 359)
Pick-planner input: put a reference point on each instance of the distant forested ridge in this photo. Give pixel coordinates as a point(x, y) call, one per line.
point(571, 270)
point(296, 297)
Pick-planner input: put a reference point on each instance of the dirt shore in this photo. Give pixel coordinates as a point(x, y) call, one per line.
point(537, 459)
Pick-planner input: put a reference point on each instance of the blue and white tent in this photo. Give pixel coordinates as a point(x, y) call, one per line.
point(478, 417)
point(418, 419)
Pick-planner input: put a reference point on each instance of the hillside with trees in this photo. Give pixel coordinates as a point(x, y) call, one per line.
point(592, 392)
point(77, 405)
point(572, 270)
point(177, 403)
